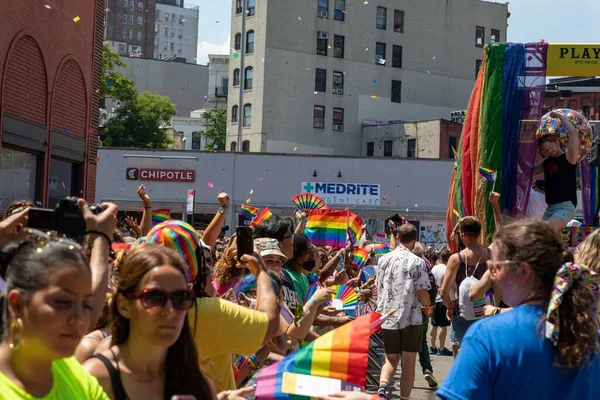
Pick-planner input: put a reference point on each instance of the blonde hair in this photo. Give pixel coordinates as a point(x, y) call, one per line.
point(588, 252)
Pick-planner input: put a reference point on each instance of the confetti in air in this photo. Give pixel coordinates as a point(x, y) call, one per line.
point(210, 185)
point(260, 179)
point(251, 191)
point(248, 200)
point(48, 6)
point(373, 97)
point(76, 19)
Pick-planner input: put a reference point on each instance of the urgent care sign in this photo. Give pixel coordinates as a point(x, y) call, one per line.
point(161, 175)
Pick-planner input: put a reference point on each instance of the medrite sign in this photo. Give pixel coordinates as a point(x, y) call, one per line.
point(345, 193)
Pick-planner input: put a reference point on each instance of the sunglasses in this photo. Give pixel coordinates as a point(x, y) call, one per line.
point(182, 300)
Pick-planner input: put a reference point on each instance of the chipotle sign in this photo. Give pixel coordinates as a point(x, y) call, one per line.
point(161, 175)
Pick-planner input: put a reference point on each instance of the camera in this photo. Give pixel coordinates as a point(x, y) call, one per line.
point(397, 219)
point(66, 218)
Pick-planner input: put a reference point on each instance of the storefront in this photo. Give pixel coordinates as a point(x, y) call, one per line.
point(372, 188)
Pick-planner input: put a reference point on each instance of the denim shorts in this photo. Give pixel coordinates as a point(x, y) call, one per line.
point(458, 328)
point(564, 211)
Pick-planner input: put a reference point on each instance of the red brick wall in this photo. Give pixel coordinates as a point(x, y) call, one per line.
point(577, 101)
point(46, 57)
point(448, 129)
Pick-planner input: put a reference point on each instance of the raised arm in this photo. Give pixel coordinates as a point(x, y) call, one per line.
point(211, 233)
point(573, 143)
point(495, 203)
point(146, 224)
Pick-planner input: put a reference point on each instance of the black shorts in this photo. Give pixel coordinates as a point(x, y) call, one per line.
point(438, 318)
point(409, 339)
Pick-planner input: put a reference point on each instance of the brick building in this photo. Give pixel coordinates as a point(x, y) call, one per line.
point(582, 94)
point(49, 98)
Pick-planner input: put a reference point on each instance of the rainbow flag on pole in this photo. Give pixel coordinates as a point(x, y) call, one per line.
point(360, 257)
point(249, 212)
point(264, 215)
point(160, 215)
point(489, 174)
point(379, 248)
point(333, 362)
point(327, 227)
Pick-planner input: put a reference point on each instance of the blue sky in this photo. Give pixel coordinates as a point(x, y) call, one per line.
point(531, 20)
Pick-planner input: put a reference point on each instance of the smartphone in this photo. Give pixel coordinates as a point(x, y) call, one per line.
point(41, 218)
point(245, 245)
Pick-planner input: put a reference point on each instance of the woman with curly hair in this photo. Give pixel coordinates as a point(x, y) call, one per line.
point(226, 274)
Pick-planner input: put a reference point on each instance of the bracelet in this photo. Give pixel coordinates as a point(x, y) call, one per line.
point(147, 208)
point(104, 235)
point(496, 311)
point(253, 363)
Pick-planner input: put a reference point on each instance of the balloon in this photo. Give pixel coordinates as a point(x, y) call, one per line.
point(553, 126)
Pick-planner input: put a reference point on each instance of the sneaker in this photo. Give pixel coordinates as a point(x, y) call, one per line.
point(382, 392)
point(433, 350)
point(430, 379)
point(445, 352)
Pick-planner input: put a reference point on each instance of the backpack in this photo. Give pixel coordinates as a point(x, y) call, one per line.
point(470, 310)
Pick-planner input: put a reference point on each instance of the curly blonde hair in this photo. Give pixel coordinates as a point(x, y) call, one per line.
point(225, 267)
point(588, 252)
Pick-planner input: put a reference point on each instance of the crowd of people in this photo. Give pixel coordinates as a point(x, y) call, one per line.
point(130, 310)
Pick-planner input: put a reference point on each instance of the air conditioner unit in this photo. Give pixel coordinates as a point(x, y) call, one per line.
point(338, 91)
point(322, 35)
point(338, 127)
point(323, 14)
point(381, 61)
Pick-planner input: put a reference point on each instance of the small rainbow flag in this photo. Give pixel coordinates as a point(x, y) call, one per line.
point(327, 227)
point(264, 215)
point(339, 357)
point(160, 215)
point(19, 209)
point(355, 228)
point(249, 212)
point(360, 257)
point(488, 174)
point(379, 248)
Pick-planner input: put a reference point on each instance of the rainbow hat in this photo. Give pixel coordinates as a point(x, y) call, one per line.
point(179, 236)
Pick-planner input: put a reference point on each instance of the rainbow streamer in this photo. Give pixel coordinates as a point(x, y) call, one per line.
point(327, 227)
point(341, 354)
point(360, 257)
point(489, 174)
point(378, 248)
point(249, 212)
point(160, 215)
point(264, 215)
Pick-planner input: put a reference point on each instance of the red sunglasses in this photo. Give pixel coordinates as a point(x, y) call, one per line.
point(182, 300)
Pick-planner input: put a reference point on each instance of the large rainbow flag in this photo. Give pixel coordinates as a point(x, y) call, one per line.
point(340, 354)
point(327, 227)
point(508, 93)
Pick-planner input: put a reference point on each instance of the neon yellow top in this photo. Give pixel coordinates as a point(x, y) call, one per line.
point(70, 382)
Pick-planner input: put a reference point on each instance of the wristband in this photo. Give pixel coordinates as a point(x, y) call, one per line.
point(111, 252)
point(496, 311)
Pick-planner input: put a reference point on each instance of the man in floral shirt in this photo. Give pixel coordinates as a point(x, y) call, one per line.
point(402, 283)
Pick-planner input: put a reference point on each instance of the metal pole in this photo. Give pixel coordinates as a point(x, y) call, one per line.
point(242, 75)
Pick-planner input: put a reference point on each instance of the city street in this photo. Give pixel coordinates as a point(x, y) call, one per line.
point(441, 366)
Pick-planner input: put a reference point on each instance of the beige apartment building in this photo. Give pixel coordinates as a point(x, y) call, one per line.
point(315, 70)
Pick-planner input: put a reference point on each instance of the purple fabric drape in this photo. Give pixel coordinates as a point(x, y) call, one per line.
point(585, 181)
point(534, 83)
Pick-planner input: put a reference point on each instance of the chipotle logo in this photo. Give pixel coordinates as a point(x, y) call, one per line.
point(160, 175)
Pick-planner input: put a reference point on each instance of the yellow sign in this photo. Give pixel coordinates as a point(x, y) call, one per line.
point(573, 60)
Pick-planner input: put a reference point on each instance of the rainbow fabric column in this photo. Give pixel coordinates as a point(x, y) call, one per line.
point(491, 136)
point(339, 354)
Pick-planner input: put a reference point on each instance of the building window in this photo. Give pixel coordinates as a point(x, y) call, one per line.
point(233, 146)
point(250, 42)
point(234, 114)
point(380, 53)
point(381, 17)
point(411, 150)
point(247, 114)
point(130, 34)
point(179, 48)
point(156, 28)
point(451, 146)
point(398, 21)
point(338, 119)
point(585, 110)
point(131, 5)
point(237, 42)
point(495, 36)
point(125, 3)
point(139, 36)
point(339, 13)
point(158, 14)
point(225, 86)
point(140, 6)
point(172, 32)
point(238, 10)
point(396, 91)
point(322, 43)
point(397, 56)
point(387, 148)
point(338, 82)
point(478, 64)
point(248, 73)
point(320, 80)
point(251, 7)
point(180, 33)
point(319, 117)
point(131, 20)
point(338, 46)
point(140, 21)
point(236, 77)
point(246, 146)
point(124, 19)
point(323, 10)
point(479, 36)
point(167, 15)
point(370, 149)
point(172, 45)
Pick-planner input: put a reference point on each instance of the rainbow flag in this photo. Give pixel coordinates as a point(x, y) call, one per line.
point(264, 215)
point(19, 209)
point(489, 174)
point(339, 355)
point(360, 257)
point(379, 248)
point(355, 228)
point(160, 215)
point(249, 212)
point(327, 227)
